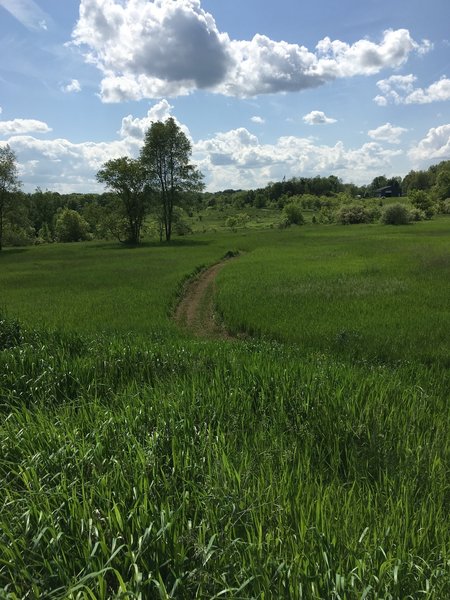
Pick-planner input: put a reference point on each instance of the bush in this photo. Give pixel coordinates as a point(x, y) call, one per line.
point(15, 235)
point(395, 214)
point(71, 227)
point(422, 201)
point(292, 215)
point(415, 214)
point(353, 214)
point(444, 206)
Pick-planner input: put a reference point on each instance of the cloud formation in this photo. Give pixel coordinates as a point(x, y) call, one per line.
point(73, 86)
point(387, 133)
point(18, 126)
point(135, 128)
point(434, 146)
point(399, 89)
point(317, 117)
point(157, 48)
point(234, 158)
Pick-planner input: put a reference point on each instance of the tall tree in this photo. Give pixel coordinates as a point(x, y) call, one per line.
point(127, 179)
point(165, 156)
point(9, 182)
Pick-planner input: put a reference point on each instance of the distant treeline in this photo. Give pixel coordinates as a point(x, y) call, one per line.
point(46, 216)
point(435, 180)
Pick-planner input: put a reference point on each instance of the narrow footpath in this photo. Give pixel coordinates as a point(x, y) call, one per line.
point(195, 311)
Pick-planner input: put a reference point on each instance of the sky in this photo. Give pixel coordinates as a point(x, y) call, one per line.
point(264, 90)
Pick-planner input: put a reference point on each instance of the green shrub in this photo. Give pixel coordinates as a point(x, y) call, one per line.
point(353, 214)
point(395, 214)
point(15, 235)
point(292, 215)
point(422, 201)
point(71, 227)
point(444, 206)
point(415, 214)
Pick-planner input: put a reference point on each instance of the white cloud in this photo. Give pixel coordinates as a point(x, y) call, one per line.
point(399, 89)
point(237, 159)
point(28, 13)
point(136, 128)
point(436, 92)
point(152, 49)
point(18, 126)
point(387, 133)
point(258, 120)
point(63, 166)
point(73, 86)
point(434, 146)
point(317, 117)
point(233, 158)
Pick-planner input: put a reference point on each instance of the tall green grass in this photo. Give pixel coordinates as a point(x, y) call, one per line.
point(364, 291)
point(102, 287)
point(202, 470)
point(138, 463)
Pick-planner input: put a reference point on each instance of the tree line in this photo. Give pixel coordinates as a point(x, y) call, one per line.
point(162, 182)
point(158, 182)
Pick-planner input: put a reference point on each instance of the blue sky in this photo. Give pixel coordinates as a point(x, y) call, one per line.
point(264, 90)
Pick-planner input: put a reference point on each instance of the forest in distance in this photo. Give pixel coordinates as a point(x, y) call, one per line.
point(45, 216)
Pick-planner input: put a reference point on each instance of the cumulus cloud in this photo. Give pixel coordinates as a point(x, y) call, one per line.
point(157, 48)
point(399, 89)
point(237, 159)
point(64, 166)
point(136, 128)
point(73, 86)
point(258, 120)
point(387, 133)
point(434, 146)
point(151, 49)
point(28, 13)
point(317, 117)
point(17, 126)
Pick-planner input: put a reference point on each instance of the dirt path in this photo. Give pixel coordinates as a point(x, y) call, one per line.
point(195, 311)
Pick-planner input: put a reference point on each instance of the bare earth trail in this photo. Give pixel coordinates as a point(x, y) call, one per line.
point(195, 311)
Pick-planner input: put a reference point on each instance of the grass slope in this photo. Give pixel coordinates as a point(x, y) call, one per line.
point(363, 291)
point(135, 463)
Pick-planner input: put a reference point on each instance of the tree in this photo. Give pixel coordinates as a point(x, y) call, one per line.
point(416, 180)
point(127, 178)
point(442, 186)
point(165, 157)
point(71, 227)
point(9, 182)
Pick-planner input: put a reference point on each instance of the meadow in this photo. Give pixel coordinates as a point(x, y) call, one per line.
point(307, 460)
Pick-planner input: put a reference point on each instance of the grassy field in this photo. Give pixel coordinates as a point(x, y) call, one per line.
point(136, 462)
point(367, 291)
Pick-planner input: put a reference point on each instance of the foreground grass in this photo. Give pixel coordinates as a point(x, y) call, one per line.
point(135, 463)
point(193, 470)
